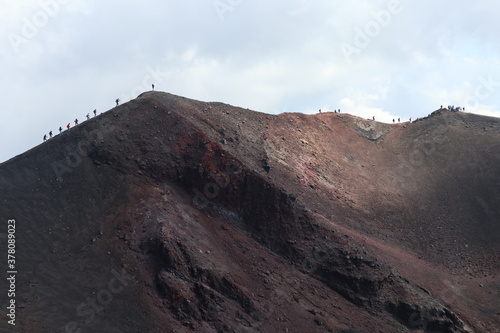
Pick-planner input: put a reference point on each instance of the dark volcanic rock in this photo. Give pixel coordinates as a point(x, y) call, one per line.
point(167, 215)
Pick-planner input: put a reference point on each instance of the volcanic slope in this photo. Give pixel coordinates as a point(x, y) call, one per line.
point(167, 214)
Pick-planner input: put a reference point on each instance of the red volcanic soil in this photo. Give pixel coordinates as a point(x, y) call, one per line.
point(167, 214)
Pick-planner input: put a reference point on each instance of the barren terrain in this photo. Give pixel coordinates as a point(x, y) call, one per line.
point(167, 214)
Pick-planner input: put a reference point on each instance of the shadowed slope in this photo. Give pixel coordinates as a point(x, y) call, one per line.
point(215, 218)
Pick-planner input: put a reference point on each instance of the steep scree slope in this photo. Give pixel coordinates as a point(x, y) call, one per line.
point(172, 215)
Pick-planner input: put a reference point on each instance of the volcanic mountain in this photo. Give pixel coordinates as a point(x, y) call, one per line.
point(167, 214)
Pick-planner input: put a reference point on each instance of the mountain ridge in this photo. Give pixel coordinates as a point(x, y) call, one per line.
point(179, 193)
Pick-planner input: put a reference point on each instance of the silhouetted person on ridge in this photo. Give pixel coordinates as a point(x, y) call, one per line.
point(319, 110)
point(44, 137)
point(60, 129)
point(68, 126)
point(393, 121)
point(399, 120)
point(88, 116)
point(117, 101)
point(50, 134)
point(76, 122)
point(95, 112)
point(153, 85)
point(410, 119)
point(373, 117)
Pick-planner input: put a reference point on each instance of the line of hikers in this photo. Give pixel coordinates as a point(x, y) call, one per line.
point(336, 111)
point(450, 108)
point(394, 120)
point(68, 126)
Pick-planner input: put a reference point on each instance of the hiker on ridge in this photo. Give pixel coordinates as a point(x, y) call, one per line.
point(88, 116)
point(95, 112)
point(50, 134)
point(76, 121)
point(44, 137)
point(153, 85)
point(68, 126)
point(60, 129)
point(117, 101)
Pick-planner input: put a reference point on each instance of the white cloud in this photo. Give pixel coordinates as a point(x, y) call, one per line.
point(267, 56)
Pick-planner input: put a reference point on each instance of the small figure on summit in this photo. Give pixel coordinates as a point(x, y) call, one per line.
point(60, 129)
point(68, 126)
point(50, 134)
point(117, 101)
point(95, 112)
point(153, 85)
point(88, 116)
point(76, 121)
point(44, 137)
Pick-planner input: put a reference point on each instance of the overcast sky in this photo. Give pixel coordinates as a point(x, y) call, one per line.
point(61, 59)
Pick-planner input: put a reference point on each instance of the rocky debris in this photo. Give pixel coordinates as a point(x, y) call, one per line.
point(212, 239)
point(370, 130)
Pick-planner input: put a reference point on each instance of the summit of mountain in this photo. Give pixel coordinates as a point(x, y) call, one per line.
point(167, 214)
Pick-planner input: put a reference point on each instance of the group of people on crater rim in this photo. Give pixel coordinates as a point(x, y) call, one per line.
point(336, 111)
point(68, 126)
point(450, 108)
point(453, 108)
point(393, 120)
